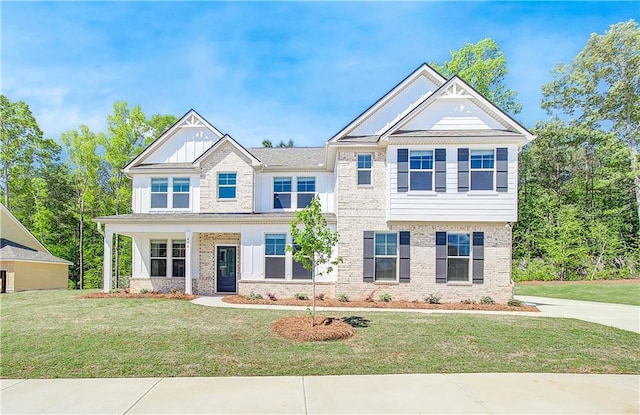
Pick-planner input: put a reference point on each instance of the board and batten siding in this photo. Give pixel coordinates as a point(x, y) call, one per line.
point(141, 193)
point(325, 189)
point(453, 206)
point(184, 146)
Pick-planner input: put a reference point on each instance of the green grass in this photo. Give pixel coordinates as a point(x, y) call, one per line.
point(55, 334)
point(597, 291)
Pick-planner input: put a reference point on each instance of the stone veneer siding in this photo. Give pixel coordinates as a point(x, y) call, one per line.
point(161, 284)
point(227, 159)
point(206, 282)
point(353, 220)
point(286, 288)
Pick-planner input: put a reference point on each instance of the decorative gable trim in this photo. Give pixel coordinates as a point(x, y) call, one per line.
point(423, 70)
point(457, 88)
point(189, 120)
point(226, 139)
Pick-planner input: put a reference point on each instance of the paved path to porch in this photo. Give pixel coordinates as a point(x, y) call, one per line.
point(626, 317)
point(471, 393)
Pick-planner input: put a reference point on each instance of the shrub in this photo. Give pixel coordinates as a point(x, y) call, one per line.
point(343, 298)
point(175, 291)
point(320, 297)
point(301, 296)
point(385, 298)
point(514, 303)
point(272, 296)
point(146, 291)
point(432, 299)
point(487, 300)
point(468, 301)
point(253, 296)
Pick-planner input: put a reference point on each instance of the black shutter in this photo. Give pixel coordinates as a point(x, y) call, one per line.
point(441, 257)
point(502, 169)
point(367, 269)
point(441, 169)
point(463, 170)
point(403, 170)
point(405, 255)
point(478, 257)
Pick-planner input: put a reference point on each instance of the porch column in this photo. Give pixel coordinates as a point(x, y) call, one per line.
point(187, 263)
point(107, 266)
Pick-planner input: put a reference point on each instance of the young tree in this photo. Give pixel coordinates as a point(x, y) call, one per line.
point(483, 66)
point(602, 87)
point(313, 244)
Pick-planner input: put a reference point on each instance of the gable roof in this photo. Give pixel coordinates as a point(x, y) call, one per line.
point(191, 118)
point(11, 229)
point(457, 88)
point(218, 144)
point(11, 251)
point(423, 72)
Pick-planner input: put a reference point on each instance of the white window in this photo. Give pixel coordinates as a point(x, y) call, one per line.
point(178, 254)
point(226, 185)
point(180, 192)
point(306, 191)
point(275, 255)
point(158, 258)
point(386, 256)
point(482, 169)
point(421, 170)
point(282, 192)
point(458, 256)
point(364, 169)
point(159, 190)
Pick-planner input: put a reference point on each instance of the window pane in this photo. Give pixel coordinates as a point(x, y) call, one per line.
point(482, 180)
point(227, 179)
point(281, 184)
point(364, 161)
point(421, 180)
point(158, 200)
point(180, 200)
point(274, 267)
point(181, 184)
point(299, 272)
point(385, 269)
point(482, 159)
point(281, 200)
point(421, 160)
point(178, 249)
point(159, 185)
point(306, 184)
point(364, 177)
point(304, 199)
point(227, 192)
point(458, 269)
point(275, 244)
point(178, 268)
point(158, 267)
point(158, 249)
point(386, 243)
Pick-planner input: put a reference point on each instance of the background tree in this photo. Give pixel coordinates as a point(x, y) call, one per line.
point(483, 66)
point(313, 244)
point(158, 124)
point(281, 144)
point(601, 87)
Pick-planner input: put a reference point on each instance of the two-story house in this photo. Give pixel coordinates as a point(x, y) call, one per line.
point(422, 188)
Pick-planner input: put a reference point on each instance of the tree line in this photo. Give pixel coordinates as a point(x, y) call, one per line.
point(579, 189)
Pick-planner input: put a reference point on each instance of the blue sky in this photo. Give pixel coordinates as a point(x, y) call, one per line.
point(269, 70)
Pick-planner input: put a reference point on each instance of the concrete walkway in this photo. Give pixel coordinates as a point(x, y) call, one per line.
point(626, 317)
point(508, 393)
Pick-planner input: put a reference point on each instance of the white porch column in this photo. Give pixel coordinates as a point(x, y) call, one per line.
point(187, 263)
point(106, 272)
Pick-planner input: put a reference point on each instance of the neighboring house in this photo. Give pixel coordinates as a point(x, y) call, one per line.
point(422, 188)
point(25, 264)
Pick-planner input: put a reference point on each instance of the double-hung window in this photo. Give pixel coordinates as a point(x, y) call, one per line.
point(178, 254)
point(159, 189)
point(386, 256)
point(226, 185)
point(364, 169)
point(458, 256)
point(180, 192)
point(282, 192)
point(275, 255)
point(306, 191)
point(298, 271)
point(482, 169)
point(421, 170)
point(158, 258)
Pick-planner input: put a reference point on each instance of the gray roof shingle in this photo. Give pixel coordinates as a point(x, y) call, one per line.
point(11, 251)
point(290, 156)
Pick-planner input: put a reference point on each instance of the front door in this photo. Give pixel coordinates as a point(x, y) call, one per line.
point(226, 269)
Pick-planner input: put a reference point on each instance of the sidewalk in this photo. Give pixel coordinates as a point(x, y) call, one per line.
point(493, 393)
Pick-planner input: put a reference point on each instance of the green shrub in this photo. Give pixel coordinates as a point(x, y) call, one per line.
point(146, 291)
point(343, 298)
point(432, 299)
point(468, 301)
point(385, 298)
point(253, 296)
point(301, 296)
point(514, 303)
point(175, 291)
point(487, 300)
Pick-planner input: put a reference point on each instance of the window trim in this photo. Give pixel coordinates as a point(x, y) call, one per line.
point(174, 193)
point(173, 257)
point(165, 258)
point(482, 169)
point(306, 192)
point(165, 193)
point(376, 256)
point(432, 170)
point(290, 192)
point(227, 186)
point(170, 193)
point(469, 258)
point(364, 169)
point(283, 256)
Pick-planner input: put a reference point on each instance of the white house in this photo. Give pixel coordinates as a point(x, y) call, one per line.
point(422, 188)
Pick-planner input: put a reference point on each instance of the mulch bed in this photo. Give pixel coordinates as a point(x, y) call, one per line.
point(582, 282)
point(330, 302)
point(299, 329)
point(176, 296)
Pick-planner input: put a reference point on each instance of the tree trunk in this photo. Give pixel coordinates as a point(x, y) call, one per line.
point(313, 294)
point(81, 246)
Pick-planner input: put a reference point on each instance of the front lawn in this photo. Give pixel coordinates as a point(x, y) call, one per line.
point(56, 334)
point(619, 292)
